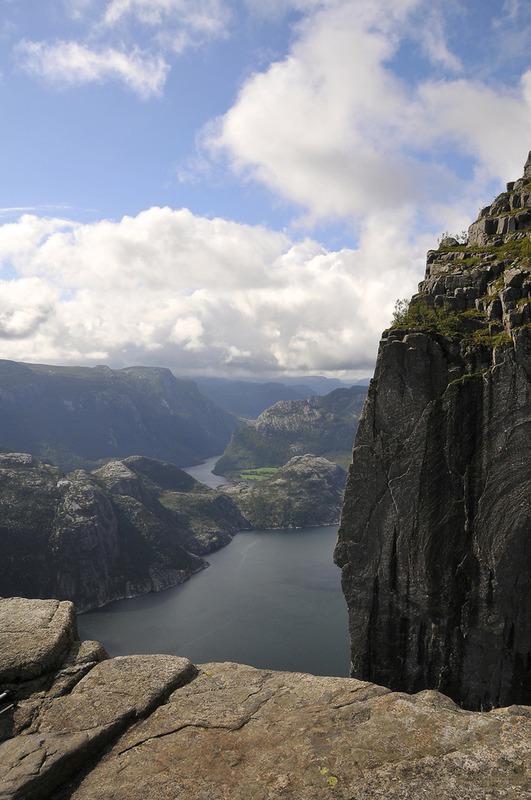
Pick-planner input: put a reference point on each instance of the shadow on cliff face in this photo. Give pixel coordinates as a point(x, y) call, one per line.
point(434, 541)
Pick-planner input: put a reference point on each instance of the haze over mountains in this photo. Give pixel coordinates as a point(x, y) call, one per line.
point(249, 398)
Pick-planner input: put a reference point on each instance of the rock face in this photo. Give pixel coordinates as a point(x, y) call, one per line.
point(131, 527)
point(306, 491)
point(85, 727)
point(324, 426)
point(435, 538)
point(77, 417)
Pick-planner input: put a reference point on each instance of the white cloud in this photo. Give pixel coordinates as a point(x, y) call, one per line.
point(27, 304)
point(130, 41)
point(67, 64)
point(175, 25)
point(312, 128)
point(432, 39)
point(333, 128)
point(78, 9)
point(197, 294)
point(204, 16)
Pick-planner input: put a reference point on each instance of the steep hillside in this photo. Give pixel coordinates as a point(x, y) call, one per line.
point(78, 417)
point(435, 539)
point(323, 426)
point(131, 527)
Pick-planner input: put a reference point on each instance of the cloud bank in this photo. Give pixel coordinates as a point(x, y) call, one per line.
point(196, 294)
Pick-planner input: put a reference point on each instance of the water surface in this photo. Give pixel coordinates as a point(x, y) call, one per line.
point(203, 473)
point(271, 599)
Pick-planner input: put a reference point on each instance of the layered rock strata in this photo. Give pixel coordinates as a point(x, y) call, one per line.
point(435, 538)
point(79, 726)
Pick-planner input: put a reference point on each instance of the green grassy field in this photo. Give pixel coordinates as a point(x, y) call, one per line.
point(258, 474)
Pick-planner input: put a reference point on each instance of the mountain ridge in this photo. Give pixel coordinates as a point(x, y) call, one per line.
point(321, 425)
point(76, 417)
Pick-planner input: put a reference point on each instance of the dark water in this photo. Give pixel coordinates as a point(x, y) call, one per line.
point(271, 599)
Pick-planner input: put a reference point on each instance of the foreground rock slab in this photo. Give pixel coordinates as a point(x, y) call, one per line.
point(237, 732)
point(158, 728)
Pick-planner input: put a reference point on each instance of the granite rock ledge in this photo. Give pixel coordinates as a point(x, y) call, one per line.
point(86, 727)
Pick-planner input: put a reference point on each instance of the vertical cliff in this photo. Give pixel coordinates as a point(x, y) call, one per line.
point(435, 538)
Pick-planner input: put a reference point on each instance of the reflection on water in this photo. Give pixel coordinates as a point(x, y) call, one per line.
point(271, 599)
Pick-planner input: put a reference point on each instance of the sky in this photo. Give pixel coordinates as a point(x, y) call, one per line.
point(242, 188)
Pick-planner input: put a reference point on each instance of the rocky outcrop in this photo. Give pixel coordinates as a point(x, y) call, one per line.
point(131, 527)
point(79, 726)
point(435, 541)
point(324, 426)
point(76, 417)
point(306, 491)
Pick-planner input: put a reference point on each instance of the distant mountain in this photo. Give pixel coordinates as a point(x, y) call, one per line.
point(317, 384)
point(79, 416)
point(248, 399)
point(323, 426)
point(131, 527)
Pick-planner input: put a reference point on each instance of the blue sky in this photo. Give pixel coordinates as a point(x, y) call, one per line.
point(243, 188)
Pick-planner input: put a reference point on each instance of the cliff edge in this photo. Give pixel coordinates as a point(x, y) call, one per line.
point(435, 542)
point(76, 725)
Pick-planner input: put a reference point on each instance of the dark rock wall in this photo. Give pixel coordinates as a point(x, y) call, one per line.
point(435, 538)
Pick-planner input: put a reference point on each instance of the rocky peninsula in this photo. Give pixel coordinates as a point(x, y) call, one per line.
point(133, 526)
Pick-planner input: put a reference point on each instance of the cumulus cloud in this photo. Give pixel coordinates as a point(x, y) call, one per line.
point(197, 294)
point(334, 128)
point(27, 304)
